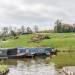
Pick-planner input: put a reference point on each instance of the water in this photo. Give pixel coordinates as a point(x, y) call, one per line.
point(29, 66)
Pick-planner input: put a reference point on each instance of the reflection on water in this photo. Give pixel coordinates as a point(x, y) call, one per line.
point(29, 66)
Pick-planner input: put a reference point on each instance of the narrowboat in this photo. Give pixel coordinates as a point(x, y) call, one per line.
point(23, 52)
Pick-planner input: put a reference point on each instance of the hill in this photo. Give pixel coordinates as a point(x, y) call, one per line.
point(61, 41)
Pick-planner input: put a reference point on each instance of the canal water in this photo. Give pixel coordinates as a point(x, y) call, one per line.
point(30, 66)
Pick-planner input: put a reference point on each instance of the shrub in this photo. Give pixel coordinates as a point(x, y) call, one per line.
point(3, 39)
point(39, 37)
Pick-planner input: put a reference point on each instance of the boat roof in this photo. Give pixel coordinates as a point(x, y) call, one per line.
point(26, 48)
point(3, 48)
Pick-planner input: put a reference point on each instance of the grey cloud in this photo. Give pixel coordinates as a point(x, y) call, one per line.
point(42, 12)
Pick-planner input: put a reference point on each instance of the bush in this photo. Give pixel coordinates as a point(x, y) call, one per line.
point(46, 37)
point(39, 37)
point(3, 39)
point(16, 37)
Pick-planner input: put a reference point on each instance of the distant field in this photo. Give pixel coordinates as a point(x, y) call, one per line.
point(60, 41)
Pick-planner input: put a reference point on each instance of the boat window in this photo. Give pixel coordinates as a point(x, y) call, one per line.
point(48, 50)
point(0, 52)
point(41, 50)
point(21, 50)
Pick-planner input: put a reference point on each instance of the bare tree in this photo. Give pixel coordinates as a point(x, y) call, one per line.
point(13, 33)
point(29, 30)
point(22, 29)
point(36, 28)
point(5, 31)
point(58, 25)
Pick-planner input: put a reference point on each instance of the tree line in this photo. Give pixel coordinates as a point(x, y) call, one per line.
point(61, 27)
point(10, 31)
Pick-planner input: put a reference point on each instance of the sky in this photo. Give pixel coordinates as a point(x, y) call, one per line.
point(43, 13)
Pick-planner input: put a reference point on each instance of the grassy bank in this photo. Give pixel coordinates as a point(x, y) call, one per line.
point(61, 41)
point(64, 59)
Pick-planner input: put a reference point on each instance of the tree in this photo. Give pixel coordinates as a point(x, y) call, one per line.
point(5, 31)
point(74, 27)
point(13, 33)
point(36, 28)
point(22, 29)
point(58, 25)
point(29, 30)
point(63, 27)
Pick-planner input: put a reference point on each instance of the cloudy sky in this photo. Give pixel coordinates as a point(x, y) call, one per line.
point(40, 12)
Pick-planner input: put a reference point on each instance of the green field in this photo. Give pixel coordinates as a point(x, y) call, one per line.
point(61, 41)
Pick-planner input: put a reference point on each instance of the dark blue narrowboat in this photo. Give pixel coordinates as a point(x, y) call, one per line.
point(23, 52)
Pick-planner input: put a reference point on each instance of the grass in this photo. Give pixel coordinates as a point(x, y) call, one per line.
point(60, 41)
point(64, 59)
point(3, 68)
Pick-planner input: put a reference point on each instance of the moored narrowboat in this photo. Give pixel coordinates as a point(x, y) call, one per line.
point(23, 52)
